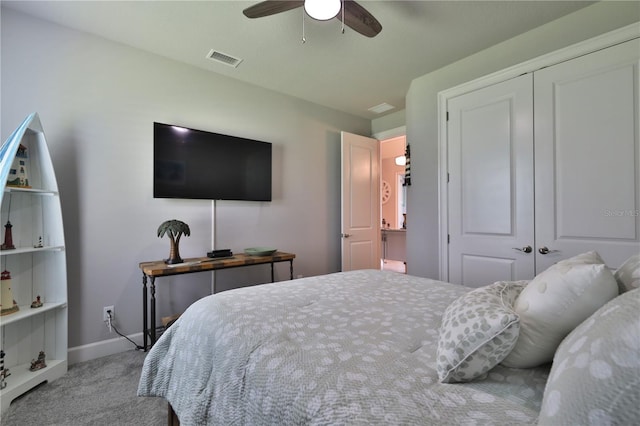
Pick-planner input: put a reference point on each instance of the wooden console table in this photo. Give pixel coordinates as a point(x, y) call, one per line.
point(157, 268)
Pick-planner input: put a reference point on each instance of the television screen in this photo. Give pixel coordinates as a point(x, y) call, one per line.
point(190, 163)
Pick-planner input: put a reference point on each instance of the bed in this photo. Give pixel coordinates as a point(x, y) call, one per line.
point(360, 347)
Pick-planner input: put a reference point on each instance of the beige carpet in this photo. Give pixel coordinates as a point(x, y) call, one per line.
point(96, 392)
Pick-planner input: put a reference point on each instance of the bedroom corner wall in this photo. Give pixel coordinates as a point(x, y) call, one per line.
point(98, 100)
point(422, 112)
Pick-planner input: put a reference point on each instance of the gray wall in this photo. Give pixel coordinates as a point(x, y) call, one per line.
point(422, 112)
point(388, 122)
point(97, 101)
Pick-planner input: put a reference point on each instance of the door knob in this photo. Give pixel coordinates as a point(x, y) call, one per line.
point(346, 235)
point(526, 249)
point(546, 250)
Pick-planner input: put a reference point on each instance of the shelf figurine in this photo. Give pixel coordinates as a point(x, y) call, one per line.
point(39, 245)
point(37, 364)
point(18, 172)
point(4, 372)
point(7, 304)
point(8, 237)
point(37, 303)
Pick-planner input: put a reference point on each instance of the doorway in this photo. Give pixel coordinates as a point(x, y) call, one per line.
point(393, 199)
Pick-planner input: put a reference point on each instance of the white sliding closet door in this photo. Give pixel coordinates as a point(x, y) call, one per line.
point(587, 156)
point(491, 184)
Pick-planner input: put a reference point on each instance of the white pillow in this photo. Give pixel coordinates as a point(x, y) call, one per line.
point(478, 330)
point(596, 369)
point(628, 275)
point(555, 302)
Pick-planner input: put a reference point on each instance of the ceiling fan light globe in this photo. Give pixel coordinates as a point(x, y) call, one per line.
point(322, 10)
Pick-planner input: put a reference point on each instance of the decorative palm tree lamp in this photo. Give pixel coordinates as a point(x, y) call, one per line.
point(175, 229)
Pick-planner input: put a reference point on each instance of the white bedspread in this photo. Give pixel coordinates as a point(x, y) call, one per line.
point(346, 348)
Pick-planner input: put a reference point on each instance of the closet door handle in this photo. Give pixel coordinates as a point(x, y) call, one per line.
point(346, 235)
point(526, 249)
point(546, 250)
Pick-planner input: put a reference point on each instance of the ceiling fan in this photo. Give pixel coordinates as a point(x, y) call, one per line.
point(348, 11)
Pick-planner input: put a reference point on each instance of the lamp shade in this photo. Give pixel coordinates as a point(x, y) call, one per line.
point(322, 10)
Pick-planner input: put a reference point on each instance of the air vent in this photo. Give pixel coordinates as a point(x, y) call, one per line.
point(383, 107)
point(223, 58)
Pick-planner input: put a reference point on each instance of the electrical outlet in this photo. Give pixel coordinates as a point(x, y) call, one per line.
point(105, 315)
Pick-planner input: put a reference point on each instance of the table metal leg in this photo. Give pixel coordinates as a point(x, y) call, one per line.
point(144, 311)
point(272, 276)
point(291, 268)
point(153, 311)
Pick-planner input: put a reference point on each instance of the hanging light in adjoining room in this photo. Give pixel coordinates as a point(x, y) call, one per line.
point(322, 10)
point(401, 160)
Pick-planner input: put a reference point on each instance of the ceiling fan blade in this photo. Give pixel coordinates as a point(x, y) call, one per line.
point(271, 7)
point(359, 19)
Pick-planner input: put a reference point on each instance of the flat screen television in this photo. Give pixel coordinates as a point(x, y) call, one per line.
point(190, 163)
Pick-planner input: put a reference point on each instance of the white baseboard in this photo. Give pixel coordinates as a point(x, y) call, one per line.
point(102, 348)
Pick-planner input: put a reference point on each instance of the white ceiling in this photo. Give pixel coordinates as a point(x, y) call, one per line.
point(347, 72)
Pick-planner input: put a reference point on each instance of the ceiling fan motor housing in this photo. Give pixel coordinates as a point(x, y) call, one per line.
point(353, 15)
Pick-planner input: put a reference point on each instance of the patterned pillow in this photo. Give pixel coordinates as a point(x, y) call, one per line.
point(628, 275)
point(478, 330)
point(555, 302)
point(595, 377)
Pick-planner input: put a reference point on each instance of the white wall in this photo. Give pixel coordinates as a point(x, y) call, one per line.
point(422, 112)
point(97, 101)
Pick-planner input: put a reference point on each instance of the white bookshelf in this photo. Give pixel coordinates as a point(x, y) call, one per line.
point(37, 265)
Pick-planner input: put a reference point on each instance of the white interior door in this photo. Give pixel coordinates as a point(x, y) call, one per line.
point(490, 190)
point(360, 202)
point(588, 157)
